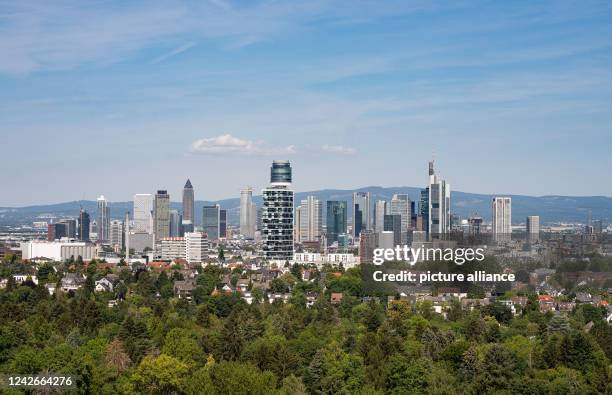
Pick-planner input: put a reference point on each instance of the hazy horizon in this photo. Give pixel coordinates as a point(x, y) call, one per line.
point(177, 198)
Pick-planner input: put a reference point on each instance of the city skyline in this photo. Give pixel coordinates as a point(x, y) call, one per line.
point(230, 86)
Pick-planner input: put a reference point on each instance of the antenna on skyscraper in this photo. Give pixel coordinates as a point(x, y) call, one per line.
point(431, 163)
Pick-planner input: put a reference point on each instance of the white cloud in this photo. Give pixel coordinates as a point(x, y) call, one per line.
point(174, 52)
point(339, 149)
point(227, 143)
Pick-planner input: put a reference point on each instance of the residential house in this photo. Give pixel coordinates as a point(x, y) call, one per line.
point(72, 282)
point(104, 285)
point(183, 289)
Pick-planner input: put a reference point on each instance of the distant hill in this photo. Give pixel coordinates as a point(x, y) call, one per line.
point(551, 209)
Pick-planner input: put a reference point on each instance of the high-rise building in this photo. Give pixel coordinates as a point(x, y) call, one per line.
point(361, 212)
point(103, 219)
point(66, 228)
point(211, 221)
point(223, 224)
point(277, 215)
point(336, 220)
point(188, 203)
point(161, 215)
point(196, 247)
point(400, 205)
point(116, 233)
point(502, 218)
point(424, 210)
point(439, 204)
point(83, 225)
point(176, 224)
point(380, 211)
point(56, 231)
point(368, 241)
point(247, 225)
point(533, 228)
point(311, 219)
point(393, 223)
point(143, 208)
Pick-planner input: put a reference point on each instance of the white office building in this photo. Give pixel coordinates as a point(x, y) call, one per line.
point(533, 228)
point(502, 218)
point(116, 233)
point(196, 247)
point(103, 220)
point(173, 248)
point(248, 213)
point(58, 250)
point(143, 208)
point(310, 219)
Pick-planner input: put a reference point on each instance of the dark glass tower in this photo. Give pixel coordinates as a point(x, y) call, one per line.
point(424, 208)
point(280, 172)
point(336, 220)
point(84, 225)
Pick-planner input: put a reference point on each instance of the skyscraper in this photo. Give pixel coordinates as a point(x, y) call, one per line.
point(176, 224)
point(116, 233)
point(439, 204)
point(424, 210)
point(83, 225)
point(222, 224)
point(533, 228)
point(400, 205)
point(361, 212)
point(247, 225)
point(143, 208)
point(103, 219)
point(502, 218)
point(336, 220)
point(368, 241)
point(161, 215)
point(311, 219)
point(379, 215)
point(211, 221)
point(277, 215)
point(188, 205)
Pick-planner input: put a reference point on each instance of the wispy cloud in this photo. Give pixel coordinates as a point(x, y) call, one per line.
point(339, 149)
point(226, 144)
point(42, 35)
point(174, 52)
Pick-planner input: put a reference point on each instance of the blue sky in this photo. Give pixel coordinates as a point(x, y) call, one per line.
point(118, 98)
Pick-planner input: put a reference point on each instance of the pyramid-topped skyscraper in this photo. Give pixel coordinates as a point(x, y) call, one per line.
point(188, 207)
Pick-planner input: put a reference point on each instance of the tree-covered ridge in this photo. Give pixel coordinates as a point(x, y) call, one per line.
point(216, 343)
